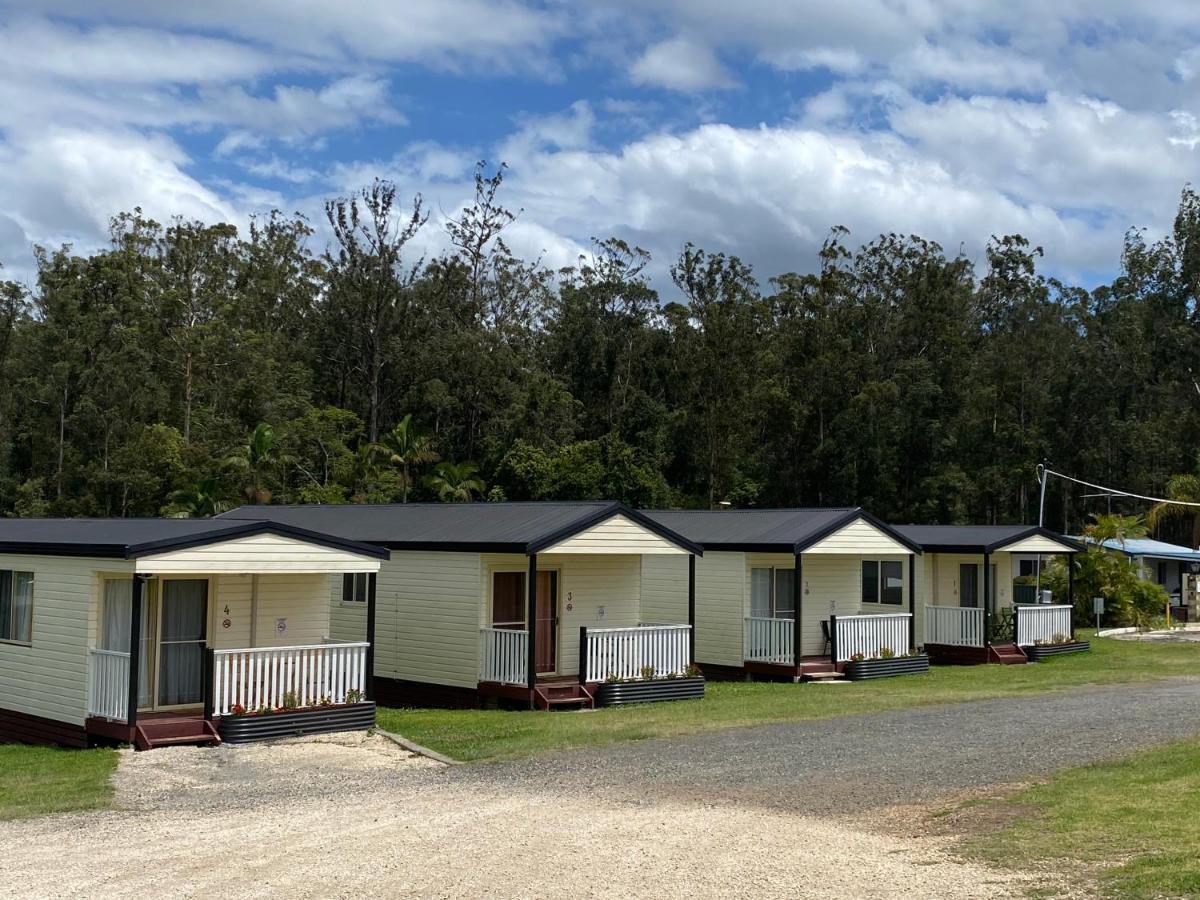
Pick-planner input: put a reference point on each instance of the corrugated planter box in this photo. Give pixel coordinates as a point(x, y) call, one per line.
point(1037, 652)
point(615, 693)
point(296, 722)
point(862, 669)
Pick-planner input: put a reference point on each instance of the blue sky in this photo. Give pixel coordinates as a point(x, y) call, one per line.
point(747, 127)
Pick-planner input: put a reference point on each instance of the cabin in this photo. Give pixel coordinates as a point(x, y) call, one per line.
point(538, 605)
point(1163, 563)
point(176, 631)
point(969, 610)
point(792, 593)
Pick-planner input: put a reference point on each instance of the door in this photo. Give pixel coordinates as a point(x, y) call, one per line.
point(546, 654)
point(968, 584)
point(183, 614)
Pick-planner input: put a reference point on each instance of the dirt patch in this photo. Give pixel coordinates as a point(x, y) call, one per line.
point(356, 815)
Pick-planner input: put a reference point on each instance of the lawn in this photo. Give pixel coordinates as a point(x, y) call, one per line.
point(38, 781)
point(470, 735)
point(1130, 824)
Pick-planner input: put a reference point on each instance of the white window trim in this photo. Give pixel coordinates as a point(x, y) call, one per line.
point(773, 601)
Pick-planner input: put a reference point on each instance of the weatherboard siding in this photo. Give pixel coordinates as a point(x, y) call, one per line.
point(664, 588)
point(943, 587)
point(618, 535)
point(49, 678)
point(1037, 544)
point(722, 603)
point(264, 553)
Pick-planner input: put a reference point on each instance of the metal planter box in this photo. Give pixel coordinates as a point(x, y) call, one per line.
point(1038, 652)
point(619, 692)
point(319, 720)
point(860, 670)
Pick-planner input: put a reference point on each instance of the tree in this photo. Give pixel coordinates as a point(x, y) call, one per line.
point(1180, 489)
point(456, 482)
point(407, 447)
point(199, 500)
point(259, 459)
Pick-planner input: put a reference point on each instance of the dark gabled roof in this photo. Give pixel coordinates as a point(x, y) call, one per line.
point(767, 530)
point(131, 538)
point(976, 538)
point(479, 527)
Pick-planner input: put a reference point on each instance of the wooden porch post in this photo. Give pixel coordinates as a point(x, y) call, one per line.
point(531, 629)
point(135, 651)
point(369, 680)
point(210, 664)
point(1071, 590)
point(692, 608)
point(796, 621)
point(912, 601)
point(987, 600)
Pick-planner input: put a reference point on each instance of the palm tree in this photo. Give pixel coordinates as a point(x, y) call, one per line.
point(407, 447)
point(456, 482)
point(199, 500)
point(1180, 489)
point(259, 458)
point(1113, 527)
point(365, 471)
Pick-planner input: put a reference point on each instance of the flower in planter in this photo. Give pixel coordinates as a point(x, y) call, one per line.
point(1060, 639)
point(647, 672)
point(237, 710)
point(858, 657)
point(290, 700)
point(886, 653)
point(354, 695)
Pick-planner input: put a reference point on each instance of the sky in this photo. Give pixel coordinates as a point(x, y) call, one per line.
point(748, 127)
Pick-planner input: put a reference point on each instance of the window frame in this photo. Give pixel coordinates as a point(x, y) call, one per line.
point(350, 588)
point(12, 588)
point(878, 582)
point(773, 596)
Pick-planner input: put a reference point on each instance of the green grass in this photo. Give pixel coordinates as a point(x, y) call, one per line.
point(39, 781)
point(1131, 825)
point(490, 734)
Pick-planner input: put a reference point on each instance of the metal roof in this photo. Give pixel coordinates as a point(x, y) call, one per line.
point(481, 527)
point(976, 538)
point(767, 530)
point(1149, 547)
point(129, 538)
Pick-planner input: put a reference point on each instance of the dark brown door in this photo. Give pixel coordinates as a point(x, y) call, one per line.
point(546, 659)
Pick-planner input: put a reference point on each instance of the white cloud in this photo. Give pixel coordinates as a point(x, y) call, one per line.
point(680, 64)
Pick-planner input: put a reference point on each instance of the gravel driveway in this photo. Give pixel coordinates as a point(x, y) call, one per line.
point(776, 811)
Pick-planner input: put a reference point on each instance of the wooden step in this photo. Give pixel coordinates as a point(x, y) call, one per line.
point(561, 696)
point(825, 676)
point(175, 731)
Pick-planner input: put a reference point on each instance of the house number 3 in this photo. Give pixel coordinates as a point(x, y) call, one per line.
point(570, 605)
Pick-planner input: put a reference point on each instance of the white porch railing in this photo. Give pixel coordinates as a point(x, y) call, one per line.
point(625, 652)
point(265, 677)
point(770, 640)
point(870, 634)
point(1042, 623)
point(108, 675)
point(503, 655)
point(958, 626)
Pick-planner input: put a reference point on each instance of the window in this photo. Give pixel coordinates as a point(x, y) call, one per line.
point(16, 606)
point(883, 581)
point(354, 587)
point(772, 593)
point(1162, 573)
point(1026, 568)
point(508, 600)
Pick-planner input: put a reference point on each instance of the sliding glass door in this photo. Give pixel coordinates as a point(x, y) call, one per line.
point(183, 614)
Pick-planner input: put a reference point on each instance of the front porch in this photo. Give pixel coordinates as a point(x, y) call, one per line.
point(770, 644)
point(969, 636)
point(228, 641)
point(643, 654)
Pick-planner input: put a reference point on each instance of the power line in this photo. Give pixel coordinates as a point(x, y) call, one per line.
point(1116, 492)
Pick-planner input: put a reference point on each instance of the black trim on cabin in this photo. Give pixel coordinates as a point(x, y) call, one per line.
point(1069, 545)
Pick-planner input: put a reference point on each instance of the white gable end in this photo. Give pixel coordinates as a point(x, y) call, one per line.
point(1037, 544)
point(618, 534)
point(257, 554)
point(859, 537)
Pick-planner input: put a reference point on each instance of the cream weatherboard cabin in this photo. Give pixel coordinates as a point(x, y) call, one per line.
point(540, 604)
point(160, 631)
point(792, 593)
point(968, 611)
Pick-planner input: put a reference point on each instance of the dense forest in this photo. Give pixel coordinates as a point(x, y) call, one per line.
point(188, 367)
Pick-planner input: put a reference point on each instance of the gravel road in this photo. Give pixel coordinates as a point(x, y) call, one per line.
point(776, 811)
